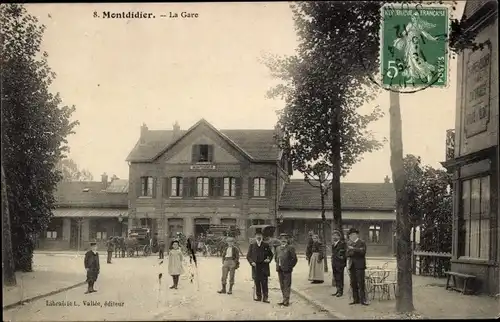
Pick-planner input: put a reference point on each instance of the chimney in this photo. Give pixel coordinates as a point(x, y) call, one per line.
point(387, 180)
point(177, 130)
point(144, 130)
point(104, 180)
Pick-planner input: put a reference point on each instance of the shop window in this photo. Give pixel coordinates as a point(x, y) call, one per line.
point(474, 218)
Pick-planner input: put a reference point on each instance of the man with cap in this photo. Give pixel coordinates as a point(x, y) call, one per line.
point(91, 263)
point(285, 259)
point(356, 264)
point(338, 261)
point(230, 263)
point(259, 256)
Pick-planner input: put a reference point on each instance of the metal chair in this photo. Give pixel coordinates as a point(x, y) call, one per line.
point(377, 283)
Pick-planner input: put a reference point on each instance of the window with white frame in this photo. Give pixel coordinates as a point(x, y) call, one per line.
point(51, 235)
point(101, 235)
point(146, 186)
point(374, 234)
point(475, 218)
point(176, 187)
point(202, 186)
point(259, 187)
point(229, 187)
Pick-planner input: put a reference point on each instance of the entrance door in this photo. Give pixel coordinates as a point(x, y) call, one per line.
point(75, 234)
point(201, 226)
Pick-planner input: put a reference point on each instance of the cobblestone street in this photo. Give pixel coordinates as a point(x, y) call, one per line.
point(132, 283)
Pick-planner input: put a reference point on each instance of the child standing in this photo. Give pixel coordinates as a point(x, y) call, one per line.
point(175, 263)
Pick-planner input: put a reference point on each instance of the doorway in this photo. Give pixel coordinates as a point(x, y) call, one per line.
point(201, 226)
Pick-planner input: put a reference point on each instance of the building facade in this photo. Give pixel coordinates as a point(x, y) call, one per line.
point(476, 245)
point(369, 207)
point(183, 181)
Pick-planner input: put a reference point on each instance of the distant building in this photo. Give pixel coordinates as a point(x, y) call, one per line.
point(476, 243)
point(86, 211)
point(369, 207)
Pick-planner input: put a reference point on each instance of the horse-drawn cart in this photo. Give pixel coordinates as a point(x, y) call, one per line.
point(138, 239)
point(215, 239)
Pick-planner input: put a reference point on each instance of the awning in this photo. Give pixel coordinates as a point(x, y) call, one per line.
point(346, 215)
point(90, 212)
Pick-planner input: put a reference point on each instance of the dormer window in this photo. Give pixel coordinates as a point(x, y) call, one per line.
point(202, 153)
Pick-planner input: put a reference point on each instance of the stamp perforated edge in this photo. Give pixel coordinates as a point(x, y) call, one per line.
point(448, 6)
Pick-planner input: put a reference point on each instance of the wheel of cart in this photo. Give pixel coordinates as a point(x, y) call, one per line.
point(146, 250)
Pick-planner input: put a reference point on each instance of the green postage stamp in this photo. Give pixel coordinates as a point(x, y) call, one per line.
point(414, 45)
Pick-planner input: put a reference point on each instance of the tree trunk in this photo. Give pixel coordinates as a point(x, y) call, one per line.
point(336, 171)
point(9, 275)
point(404, 301)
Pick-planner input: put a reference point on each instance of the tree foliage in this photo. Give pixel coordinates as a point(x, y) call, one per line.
point(321, 123)
point(71, 172)
point(34, 130)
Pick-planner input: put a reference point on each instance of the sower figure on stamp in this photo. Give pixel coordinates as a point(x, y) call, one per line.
point(259, 255)
point(356, 264)
point(338, 262)
point(91, 263)
point(285, 259)
point(230, 263)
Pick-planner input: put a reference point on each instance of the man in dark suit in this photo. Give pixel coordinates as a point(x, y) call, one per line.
point(310, 243)
point(91, 263)
point(111, 247)
point(356, 264)
point(338, 261)
point(230, 263)
point(285, 259)
point(259, 255)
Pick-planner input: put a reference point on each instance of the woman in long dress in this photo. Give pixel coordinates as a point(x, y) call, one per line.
point(175, 268)
point(316, 269)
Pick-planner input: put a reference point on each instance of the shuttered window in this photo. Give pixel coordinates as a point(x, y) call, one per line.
point(259, 187)
point(229, 187)
point(176, 187)
point(147, 186)
point(202, 153)
point(202, 186)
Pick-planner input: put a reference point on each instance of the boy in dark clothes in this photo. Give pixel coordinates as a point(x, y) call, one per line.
point(161, 249)
point(91, 263)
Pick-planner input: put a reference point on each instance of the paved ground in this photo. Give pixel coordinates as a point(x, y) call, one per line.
point(430, 298)
point(132, 284)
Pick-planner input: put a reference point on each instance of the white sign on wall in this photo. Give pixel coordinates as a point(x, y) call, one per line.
point(477, 92)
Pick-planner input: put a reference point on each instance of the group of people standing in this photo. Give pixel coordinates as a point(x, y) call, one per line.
point(350, 253)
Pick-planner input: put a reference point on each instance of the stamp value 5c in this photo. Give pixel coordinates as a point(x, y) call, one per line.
point(413, 45)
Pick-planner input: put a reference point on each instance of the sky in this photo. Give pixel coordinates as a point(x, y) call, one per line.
point(120, 73)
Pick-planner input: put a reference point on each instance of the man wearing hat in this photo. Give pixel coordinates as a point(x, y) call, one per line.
point(338, 261)
point(91, 263)
point(356, 264)
point(230, 263)
point(259, 256)
point(286, 259)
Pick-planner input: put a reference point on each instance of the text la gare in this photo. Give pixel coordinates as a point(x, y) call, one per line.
point(183, 14)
